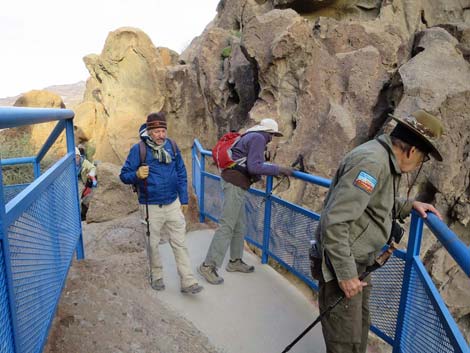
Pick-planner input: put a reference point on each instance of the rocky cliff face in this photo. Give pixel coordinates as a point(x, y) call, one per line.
point(329, 71)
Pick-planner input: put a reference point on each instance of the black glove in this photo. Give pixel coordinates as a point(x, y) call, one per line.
point(286, 171)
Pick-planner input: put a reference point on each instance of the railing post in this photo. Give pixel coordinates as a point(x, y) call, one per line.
point(36, 168)
point(414, 244)
point(8, 273)
point(202, 218)
point(267, 220)
point(71, 149)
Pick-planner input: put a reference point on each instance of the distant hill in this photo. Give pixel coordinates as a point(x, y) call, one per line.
point(71, 94)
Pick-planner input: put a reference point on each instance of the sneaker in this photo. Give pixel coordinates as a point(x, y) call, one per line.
point(158, 284)
point(192, 289)
point(239, 266)
point(210, 274)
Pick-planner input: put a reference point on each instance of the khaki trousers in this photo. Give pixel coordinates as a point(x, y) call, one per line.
point(231, 229)
point(170, 217)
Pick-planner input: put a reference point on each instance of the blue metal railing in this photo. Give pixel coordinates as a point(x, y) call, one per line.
point(407, 310)
point(40, 228)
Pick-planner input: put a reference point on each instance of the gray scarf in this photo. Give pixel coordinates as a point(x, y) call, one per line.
point(159, 152)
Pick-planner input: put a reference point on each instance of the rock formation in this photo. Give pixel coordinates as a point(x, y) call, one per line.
point(130, 79)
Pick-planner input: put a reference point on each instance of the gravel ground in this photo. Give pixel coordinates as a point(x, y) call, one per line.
point(108, 306)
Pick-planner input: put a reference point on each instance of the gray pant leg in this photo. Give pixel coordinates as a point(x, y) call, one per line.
point(233, 209)
point(237, 243)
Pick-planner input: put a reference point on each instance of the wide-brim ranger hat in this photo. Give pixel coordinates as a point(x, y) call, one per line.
point(266, 125)
point(420, 129)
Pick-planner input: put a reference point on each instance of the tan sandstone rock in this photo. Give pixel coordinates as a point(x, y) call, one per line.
point(127, 83)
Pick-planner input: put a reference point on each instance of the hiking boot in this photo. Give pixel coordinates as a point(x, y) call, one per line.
point(239, 266)
point(192, 289)
point(158, 284)
point(210, 274)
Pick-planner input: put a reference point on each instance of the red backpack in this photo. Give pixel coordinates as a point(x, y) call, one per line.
point(222, 152)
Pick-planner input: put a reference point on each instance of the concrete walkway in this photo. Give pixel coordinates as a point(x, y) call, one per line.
point(250, 313)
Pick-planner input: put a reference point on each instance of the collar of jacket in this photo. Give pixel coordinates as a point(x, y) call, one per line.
point(386, 142)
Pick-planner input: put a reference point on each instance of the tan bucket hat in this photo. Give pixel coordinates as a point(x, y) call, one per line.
point(425, 129)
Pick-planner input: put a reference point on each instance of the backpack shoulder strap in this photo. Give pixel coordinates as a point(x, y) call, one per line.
point(174, 147)
point(142, 152)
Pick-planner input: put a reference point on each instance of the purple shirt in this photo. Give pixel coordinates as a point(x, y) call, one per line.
point(252, 146)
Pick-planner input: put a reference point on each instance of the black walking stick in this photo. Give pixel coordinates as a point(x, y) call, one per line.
point(147, 241)
point(379, 262)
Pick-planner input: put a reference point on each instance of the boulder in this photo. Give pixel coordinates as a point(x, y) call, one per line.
point(127, 83)
point(40, 132)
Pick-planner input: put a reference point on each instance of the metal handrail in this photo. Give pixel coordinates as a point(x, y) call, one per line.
point(19, 116)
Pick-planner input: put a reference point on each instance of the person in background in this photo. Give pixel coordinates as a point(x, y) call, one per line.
point(356, 222)
point(86, 174)
point(249, 154)
point(162, 188)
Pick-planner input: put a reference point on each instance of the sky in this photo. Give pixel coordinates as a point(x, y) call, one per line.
point(43, 42)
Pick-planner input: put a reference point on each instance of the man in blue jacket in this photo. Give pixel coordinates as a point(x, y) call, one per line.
point(162, 188)
point(248, 152)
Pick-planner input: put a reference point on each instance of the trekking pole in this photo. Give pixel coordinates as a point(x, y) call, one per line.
point(147, 241)
point(300, 161)
point(379, 262)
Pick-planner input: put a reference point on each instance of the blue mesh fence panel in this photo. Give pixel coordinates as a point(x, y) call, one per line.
point(213, 197)
point(291, 232)
point(6, 338)
point(10, 191)
point(422, 329)
point(254, 211)
point(42, 241)
point(385, 296)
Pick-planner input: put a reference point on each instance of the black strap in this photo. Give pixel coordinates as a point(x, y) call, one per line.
point(143, 150)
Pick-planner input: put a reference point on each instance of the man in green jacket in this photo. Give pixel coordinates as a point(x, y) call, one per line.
point(356, 222)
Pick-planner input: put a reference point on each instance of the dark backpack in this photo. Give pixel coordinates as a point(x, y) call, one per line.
point(222, 151)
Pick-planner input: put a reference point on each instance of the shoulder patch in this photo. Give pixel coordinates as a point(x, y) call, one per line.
point(365, 182)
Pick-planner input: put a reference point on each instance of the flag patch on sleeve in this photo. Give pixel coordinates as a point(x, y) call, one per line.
point(365, 182)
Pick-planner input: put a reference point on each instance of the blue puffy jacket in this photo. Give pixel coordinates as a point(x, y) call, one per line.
point(165, 181)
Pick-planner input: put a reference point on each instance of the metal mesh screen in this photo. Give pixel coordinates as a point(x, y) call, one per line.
point(6, 338)
point(291, 232)
point(42, 241)
point(385, 296)
point(422, 327)
point(254, 210)
point(10, 191)
point(213, 197)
